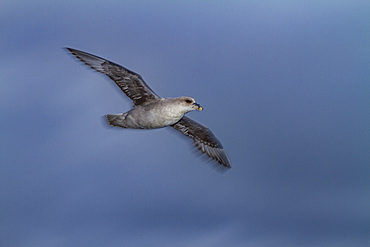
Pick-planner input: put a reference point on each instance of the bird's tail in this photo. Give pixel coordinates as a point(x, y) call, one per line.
point(117, 120)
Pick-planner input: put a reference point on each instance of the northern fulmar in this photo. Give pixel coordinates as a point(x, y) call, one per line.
point(151, 111)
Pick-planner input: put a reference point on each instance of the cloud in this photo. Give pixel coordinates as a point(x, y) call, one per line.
point(283, 87)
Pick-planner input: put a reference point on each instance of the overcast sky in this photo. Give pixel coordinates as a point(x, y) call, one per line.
point(284, 86)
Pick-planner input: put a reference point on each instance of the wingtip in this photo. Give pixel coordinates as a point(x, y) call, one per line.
point(226, 161)
point(227, 165)
point(73, 51)
point(222, 158)
point(67, 48)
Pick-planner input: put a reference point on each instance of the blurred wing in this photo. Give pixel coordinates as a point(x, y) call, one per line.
point(131, 84)
point(204, 139)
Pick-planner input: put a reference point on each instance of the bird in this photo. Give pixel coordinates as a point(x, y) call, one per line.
point(151, 111)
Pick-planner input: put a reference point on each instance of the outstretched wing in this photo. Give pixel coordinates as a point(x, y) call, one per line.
point(204, 139)
point(131, 83)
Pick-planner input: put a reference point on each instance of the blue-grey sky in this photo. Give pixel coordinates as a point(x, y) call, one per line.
point(284, 86)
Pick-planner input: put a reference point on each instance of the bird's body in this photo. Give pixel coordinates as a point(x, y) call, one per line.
point(152, 115)
point(151, 111)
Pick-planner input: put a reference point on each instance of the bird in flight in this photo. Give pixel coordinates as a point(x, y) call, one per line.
point(151, 111)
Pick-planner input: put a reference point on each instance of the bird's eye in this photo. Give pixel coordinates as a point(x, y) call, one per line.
point(188, 101)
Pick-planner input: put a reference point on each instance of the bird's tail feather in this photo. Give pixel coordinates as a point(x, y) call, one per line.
point(117, 120)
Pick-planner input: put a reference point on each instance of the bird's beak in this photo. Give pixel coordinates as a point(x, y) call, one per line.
point(199, 107)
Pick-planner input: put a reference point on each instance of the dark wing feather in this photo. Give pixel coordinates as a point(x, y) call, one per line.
point(204, 139)
point(131, 83)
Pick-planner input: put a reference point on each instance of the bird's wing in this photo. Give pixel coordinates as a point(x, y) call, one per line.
point(131, 83)
point(204, 139)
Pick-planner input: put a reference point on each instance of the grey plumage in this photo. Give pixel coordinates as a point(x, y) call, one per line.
point(151, 111)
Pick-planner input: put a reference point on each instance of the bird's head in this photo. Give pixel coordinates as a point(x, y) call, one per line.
point(189, 104)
